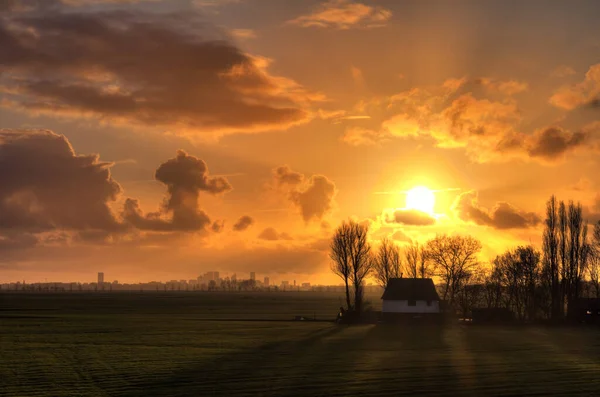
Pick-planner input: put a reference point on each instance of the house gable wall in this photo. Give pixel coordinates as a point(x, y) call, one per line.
point(401, 306)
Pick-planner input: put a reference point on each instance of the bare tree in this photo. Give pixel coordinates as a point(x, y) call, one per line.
point(551, 261)
point(530, 272)
point(340, 254)
point(350, 252)
point(594, 260)
point(386, 262)
point(360, 259)
point(493, 287)
point(424, 269)
point(411, 255)
point(516, 277)
point(417, 265)
point(454, 259)
point(472, 292)
point(578, 252)
point(563, 254)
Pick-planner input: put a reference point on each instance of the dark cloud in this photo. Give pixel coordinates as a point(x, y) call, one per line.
point(315, 199)
point(411, 217)
point(31, 5)
point(185, 177)
point(243, 223)
point(17, 241)
point(184, 218)
point(313, 196)
point(217, 226)
point(553, 143)
point(502, 216)
point(285, 176)
point(44, 185)
point(273, 235)
point(155, 70)
point(186, 173)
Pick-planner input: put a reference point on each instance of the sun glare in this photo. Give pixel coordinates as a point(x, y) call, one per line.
point(420, 198)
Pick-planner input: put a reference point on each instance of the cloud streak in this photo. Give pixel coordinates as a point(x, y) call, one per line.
point(344, 14)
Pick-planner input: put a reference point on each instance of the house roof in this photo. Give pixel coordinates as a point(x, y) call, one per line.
point(410, 289)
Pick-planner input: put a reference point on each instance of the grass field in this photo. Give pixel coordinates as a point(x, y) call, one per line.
point(186, 345)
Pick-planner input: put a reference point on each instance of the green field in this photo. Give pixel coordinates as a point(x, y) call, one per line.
point(186, 344)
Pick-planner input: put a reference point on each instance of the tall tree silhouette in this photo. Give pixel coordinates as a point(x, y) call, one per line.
point(411, 255)
point(551, 261)
point(386, 262)
point(351, 253)
point(340, 254)
point(361, 261)
point(566, 253)
point(593, 270)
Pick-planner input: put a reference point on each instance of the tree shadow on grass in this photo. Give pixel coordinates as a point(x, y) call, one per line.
point(248, 372)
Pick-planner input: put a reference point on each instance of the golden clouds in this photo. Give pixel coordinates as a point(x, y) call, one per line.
point(585, 93)
point(502, 216)
point(358, 136)
point(508, 87)
point(454, 115)
point(344, 14)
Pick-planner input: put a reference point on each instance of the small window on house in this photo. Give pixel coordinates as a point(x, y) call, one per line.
point(428, 303)
point(412, 303)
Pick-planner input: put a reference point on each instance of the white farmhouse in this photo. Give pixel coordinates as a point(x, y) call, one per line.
point(410, 297)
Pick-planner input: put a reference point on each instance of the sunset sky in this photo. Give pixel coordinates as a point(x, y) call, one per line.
point(158, 140)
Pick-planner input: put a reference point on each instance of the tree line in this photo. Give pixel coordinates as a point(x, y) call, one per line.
point(530, 282)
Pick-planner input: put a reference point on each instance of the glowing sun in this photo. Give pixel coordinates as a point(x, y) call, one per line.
point(420, 198)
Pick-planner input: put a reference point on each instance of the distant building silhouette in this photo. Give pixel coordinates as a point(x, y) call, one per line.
point(253, 276)
point(266, 282)
point(100, 279)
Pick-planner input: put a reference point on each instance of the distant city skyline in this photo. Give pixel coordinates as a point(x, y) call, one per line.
point(203, 279)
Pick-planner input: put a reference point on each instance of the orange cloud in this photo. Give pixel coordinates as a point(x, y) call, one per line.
point(488, 130)
point(243, 33)
point(96, 65)
point(508, 87)
point(563, 71)
point(502, 216)
point(271, 234)
point(344, 14)
point(411, 217)
point(314, 196)
point(243, 223)
point(586, 93)
point(357, 136)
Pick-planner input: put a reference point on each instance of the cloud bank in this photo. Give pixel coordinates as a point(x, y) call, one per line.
point(119, 67)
